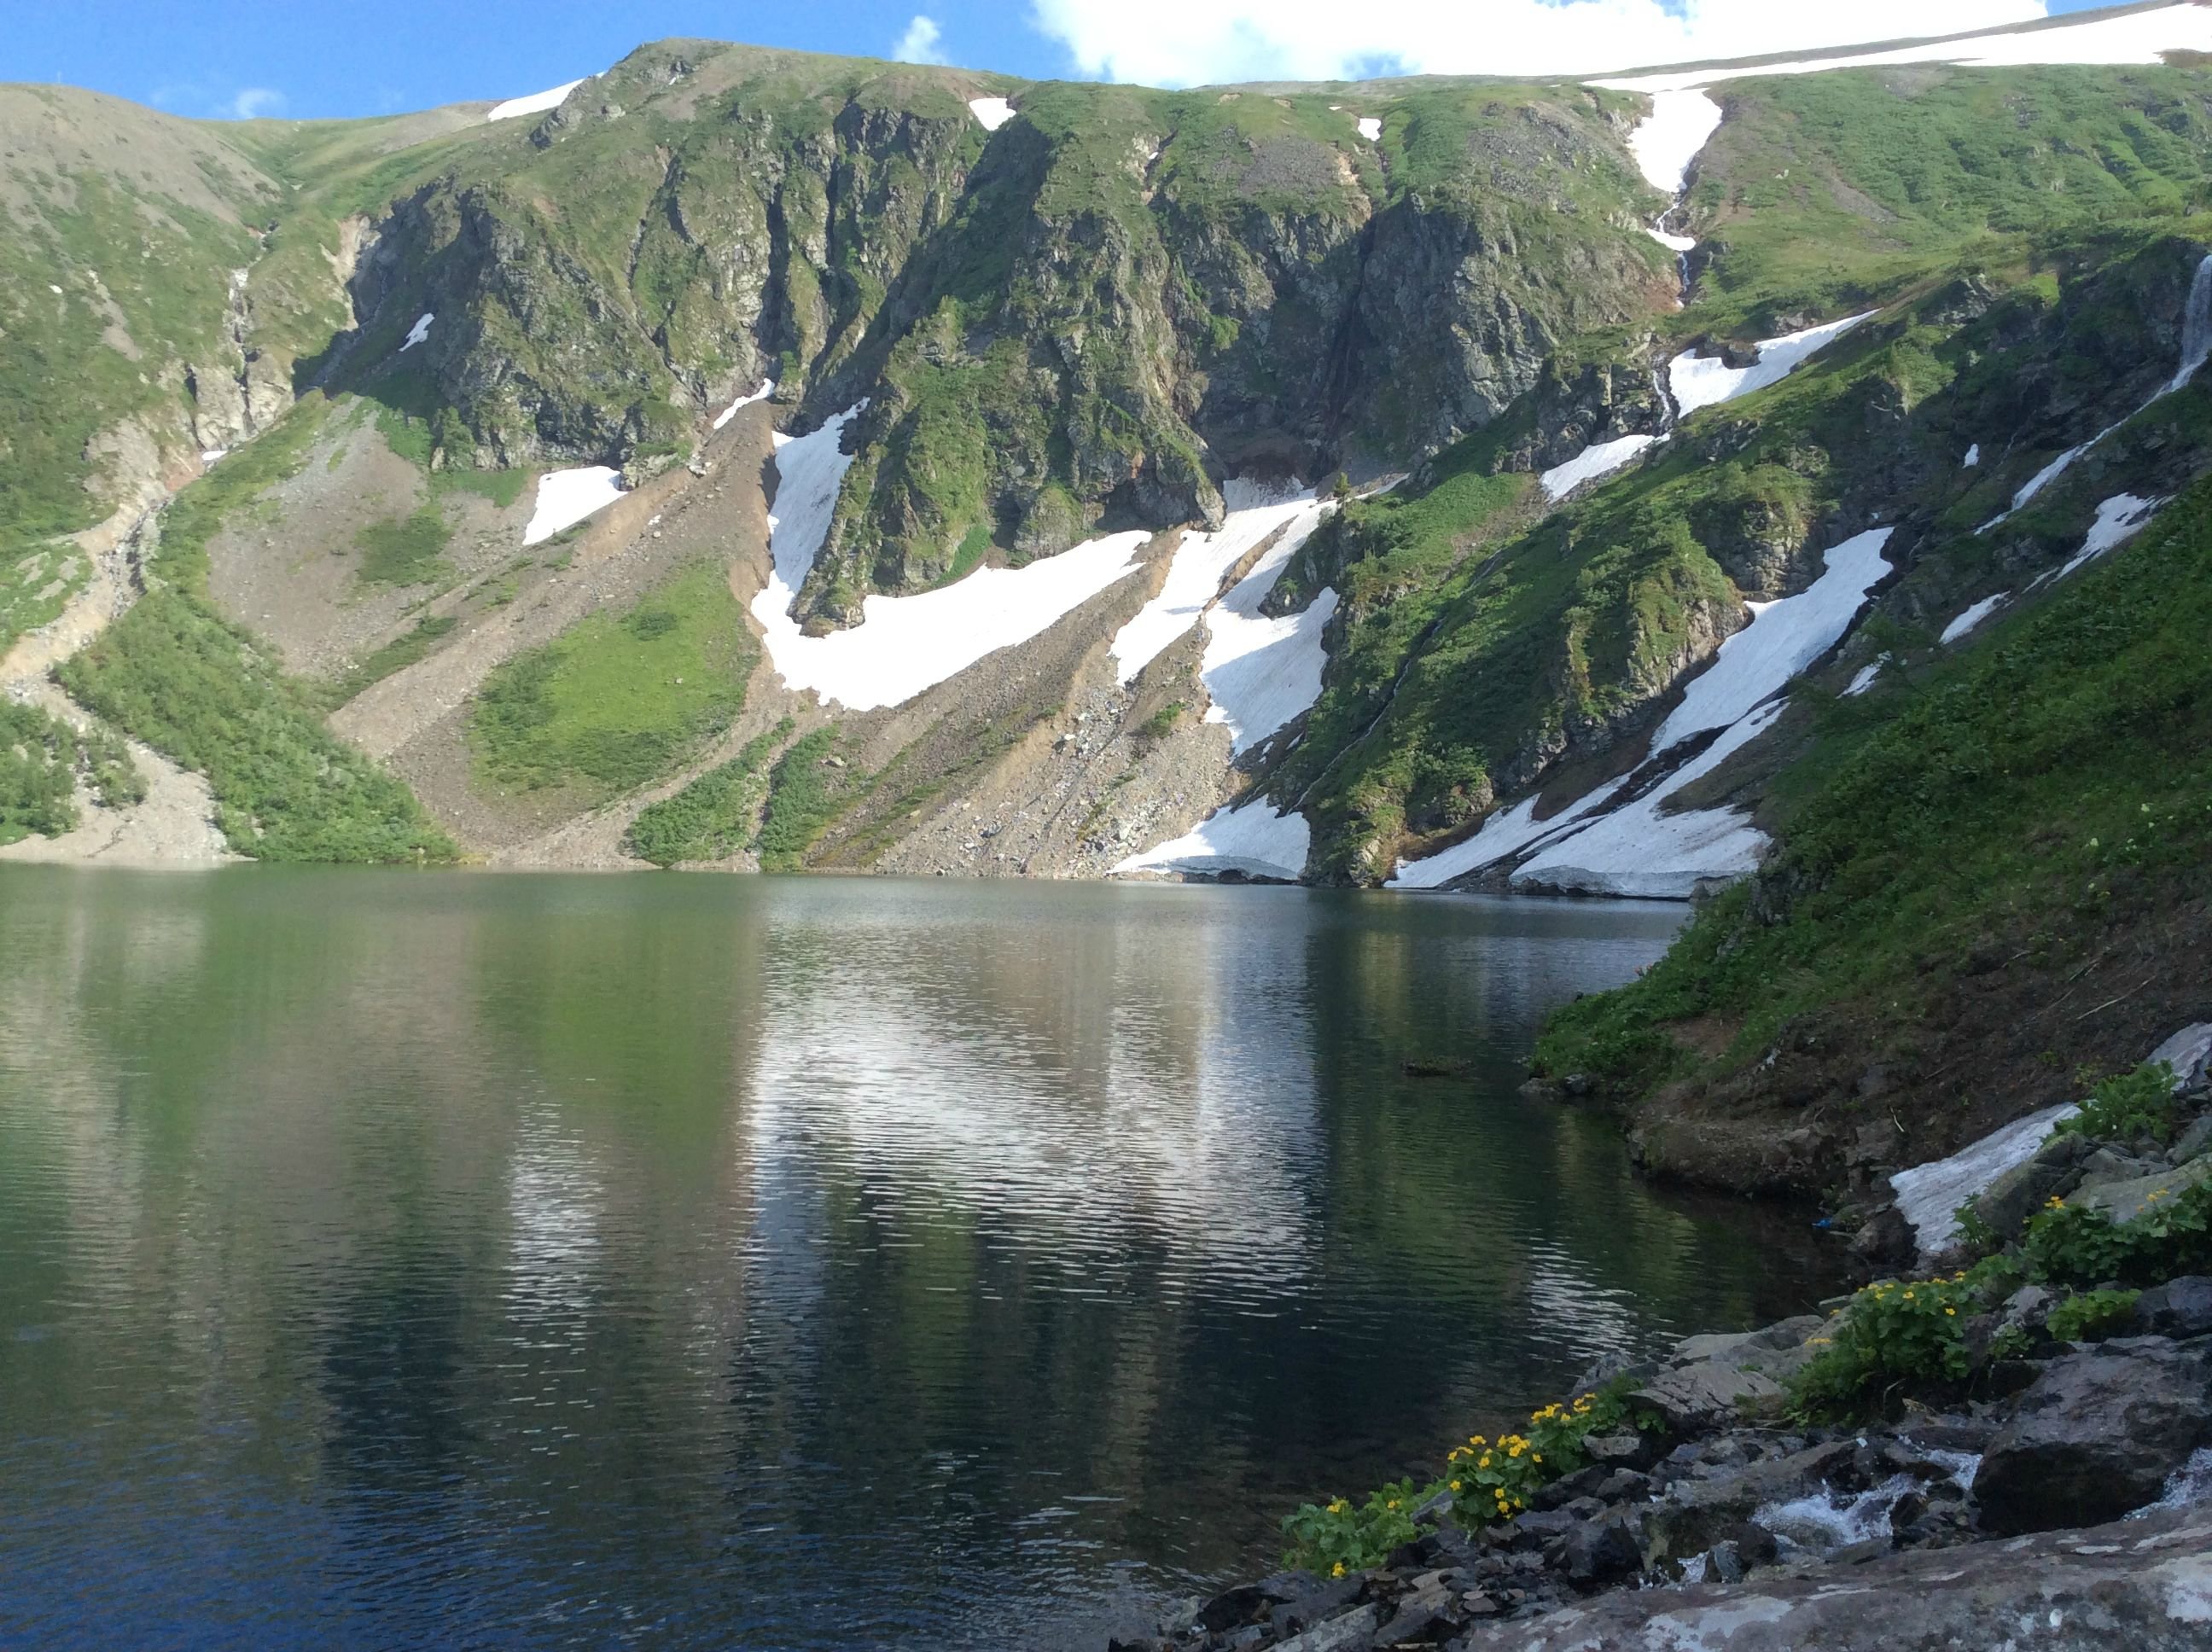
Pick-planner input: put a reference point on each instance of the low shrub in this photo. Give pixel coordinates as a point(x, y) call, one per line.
point(2076, 1245)
point(1494, 1480)
point(2128, 1105)
point(1339, 1536)
point(1893, 1337)
point(2093, 1314)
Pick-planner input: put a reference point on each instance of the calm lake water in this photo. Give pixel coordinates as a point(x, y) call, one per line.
point(433, 1260)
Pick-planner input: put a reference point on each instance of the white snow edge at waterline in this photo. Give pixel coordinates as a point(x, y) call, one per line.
point(1254, 839)
point(1733, 694)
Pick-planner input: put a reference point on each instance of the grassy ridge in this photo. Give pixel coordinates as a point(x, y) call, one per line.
point(174, 673)
point(2060, 772)
point(1823, 192)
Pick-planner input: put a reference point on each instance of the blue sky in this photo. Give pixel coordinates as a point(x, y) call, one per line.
point(311, 58)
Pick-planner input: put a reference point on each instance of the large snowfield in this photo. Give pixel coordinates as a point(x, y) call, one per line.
point(1259, 670)
point(1638, 851)
point(905, 645)
point(1635, 849)
point(1201, 562)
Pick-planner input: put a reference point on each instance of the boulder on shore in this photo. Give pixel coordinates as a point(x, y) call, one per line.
point(2097, 1435)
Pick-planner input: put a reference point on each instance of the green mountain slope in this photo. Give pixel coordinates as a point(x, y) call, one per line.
point(1991, 870)
point(1091, 317)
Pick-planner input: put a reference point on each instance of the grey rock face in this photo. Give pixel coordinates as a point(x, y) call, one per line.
point(2096, 1436)
point(2179, 1308)
point(2124, 1201)
point(2145, 1586)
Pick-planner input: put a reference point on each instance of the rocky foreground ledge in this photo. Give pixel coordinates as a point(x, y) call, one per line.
point(2074, 1513)
point(2042, 1477)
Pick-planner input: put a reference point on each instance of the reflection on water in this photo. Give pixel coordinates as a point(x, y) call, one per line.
point(417, 1259)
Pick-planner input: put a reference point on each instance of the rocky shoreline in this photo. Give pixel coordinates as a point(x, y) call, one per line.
point(2013, 1450)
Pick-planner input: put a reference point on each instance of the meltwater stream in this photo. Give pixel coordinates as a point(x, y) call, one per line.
point(444, 1259)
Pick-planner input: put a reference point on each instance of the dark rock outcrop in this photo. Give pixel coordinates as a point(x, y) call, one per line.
point(2097, 1435)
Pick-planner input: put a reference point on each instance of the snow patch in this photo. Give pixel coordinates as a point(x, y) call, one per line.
point(208, 456)
point(1699, 381)
point(1974, 457)
point(1865, 679)
point(1252, 839)
point(905, 645)
point(1371, 128)
point(1973, 617)
point(419, 331)
point(2119, 518)
point(992, 112)
point(1782, 639)
point(767, 390)
point(1641, 853)
point(536, 102)
point(1672, 243)
point(1590, 464)
point(1666, 140)
point(567, 497)
point(1928, 1195)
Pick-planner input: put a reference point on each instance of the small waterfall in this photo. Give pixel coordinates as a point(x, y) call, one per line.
point(2196, 326)
point(2196, 350)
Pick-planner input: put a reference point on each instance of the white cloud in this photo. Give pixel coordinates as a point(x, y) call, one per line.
point(921, 42)
point(1197, 42)
point(255, 103)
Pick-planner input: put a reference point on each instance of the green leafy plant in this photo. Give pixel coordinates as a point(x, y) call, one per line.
point(1894, 1336)
point(2128, 1105)
point(1493, 1479)
point(2093, 1314)
point(1340, 1536)
point(2077, 1245)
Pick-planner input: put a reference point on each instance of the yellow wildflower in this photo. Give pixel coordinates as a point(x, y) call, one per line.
point(1455, 1485)
point(1339, 1572)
